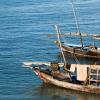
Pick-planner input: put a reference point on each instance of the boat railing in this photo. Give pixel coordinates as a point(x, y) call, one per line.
point(94, 75)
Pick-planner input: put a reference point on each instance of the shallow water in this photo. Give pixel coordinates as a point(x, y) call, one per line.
point(24, 26)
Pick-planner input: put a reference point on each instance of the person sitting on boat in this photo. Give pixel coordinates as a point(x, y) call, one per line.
point(56, 72)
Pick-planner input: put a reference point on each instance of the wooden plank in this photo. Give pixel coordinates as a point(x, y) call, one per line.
point(95, 67)
point(40, 63)
point(68, 85)
point(75, 34)
point(94, 74)
point(29, 63)
point(94, 80)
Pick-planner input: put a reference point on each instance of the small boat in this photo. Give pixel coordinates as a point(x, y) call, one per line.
point(97, 37)
point(89, 51)
point(86, 79)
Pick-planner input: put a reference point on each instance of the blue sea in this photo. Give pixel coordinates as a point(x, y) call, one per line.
point(24, 29)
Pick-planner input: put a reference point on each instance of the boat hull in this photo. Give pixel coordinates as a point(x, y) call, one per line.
point(81, 53)
point(67, 85)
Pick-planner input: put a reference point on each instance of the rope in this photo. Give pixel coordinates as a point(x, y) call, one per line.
point(77, 61)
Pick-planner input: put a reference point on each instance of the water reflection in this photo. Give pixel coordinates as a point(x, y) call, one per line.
point(50, 92)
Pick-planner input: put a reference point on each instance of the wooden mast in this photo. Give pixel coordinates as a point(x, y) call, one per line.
point(77, 25)
point(58, 34)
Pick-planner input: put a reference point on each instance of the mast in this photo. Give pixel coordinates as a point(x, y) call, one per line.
point(58, 34)
point(77, 25)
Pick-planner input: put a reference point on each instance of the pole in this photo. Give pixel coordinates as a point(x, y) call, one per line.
point(58, 32)
point(77, 25)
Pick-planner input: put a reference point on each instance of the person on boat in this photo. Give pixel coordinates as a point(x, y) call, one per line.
point(58, 74)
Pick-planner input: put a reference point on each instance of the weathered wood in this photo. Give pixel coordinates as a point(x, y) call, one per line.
point(40, 63)
point(76, 34)
point(95, 80)
point(88, 51)
point(29, 63)
point(95, 67)
point(97, 37)
point(49, 79)
point(67, 82)
point(95, 74)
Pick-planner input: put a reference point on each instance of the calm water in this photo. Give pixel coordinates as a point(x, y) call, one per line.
point(24, 25)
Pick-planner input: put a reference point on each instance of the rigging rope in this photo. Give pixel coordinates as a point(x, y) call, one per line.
point(77, 61)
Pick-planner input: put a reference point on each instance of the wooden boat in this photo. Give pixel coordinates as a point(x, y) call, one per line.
point(90, 51)
point(78, 77)
point(87, 51)
point(97, 37)
point(83, 78)
point(49, 73)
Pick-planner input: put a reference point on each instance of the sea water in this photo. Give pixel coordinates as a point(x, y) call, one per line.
point(24, 29)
